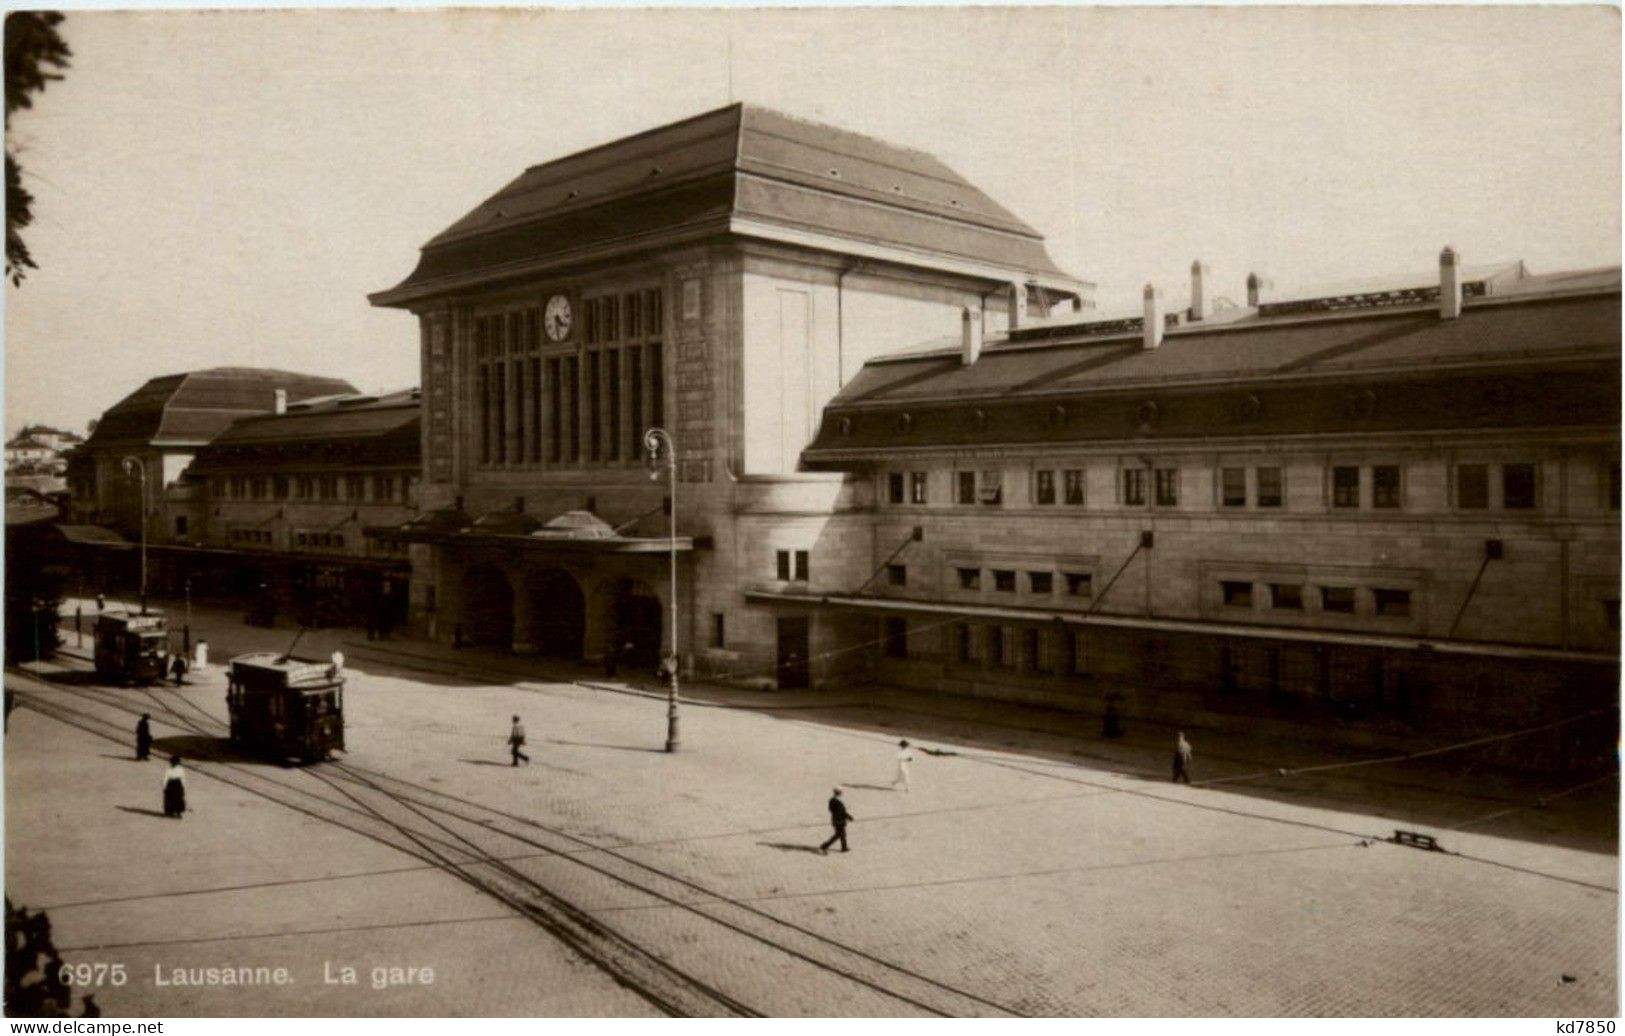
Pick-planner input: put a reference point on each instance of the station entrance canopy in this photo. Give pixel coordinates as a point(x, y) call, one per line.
point(570, 532)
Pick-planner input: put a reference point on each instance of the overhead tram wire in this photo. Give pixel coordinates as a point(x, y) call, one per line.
point(428, 855)
point(1106, 789)
point(433, 857)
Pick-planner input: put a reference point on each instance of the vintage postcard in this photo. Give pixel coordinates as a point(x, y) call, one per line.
point(957, 512)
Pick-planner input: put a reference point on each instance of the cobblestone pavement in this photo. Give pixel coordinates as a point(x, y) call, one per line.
point(1039, 871)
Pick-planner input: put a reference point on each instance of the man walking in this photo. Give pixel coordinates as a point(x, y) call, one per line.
point(143, 737)
point(1182, 759)
point(838, 816)
point(905, 755)
point(516, 741)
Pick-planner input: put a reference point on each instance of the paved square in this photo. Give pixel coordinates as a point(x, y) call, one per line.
point(1049, 875)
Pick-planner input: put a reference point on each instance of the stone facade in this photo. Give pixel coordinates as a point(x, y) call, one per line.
point(731, 333)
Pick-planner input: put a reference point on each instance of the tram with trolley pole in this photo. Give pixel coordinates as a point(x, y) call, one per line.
point(130, 647)
point(284, 706)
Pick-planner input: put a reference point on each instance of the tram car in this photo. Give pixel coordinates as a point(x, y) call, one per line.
point(131, 648)
point(284, 706)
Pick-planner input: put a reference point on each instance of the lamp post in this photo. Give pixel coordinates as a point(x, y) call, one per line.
point(654, 440)
point(137, 464)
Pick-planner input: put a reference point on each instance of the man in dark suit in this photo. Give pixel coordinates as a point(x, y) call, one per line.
point(838, 816)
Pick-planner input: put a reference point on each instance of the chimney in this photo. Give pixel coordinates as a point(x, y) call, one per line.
point(1449, 285)
point(1153, 317)
point(1199, 299)
point(1018, 305)
point(1255, 284)
point(970, 338)
point(281, 405)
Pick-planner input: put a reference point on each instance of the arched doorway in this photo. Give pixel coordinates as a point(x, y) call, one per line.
point(487, 614)
point(558, 614)
point(637, 618)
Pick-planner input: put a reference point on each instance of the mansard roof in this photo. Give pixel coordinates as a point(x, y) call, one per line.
point(1501, 363)
point(348, 428)
point(743, 170)
point(192, 408)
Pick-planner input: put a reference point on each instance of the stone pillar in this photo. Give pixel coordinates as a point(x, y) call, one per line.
point(523, 615)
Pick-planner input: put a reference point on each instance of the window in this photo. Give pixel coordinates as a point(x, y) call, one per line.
point(1004, 581)
point(967, 487)
point(1345, 487)
point(1077, 653)
point(1337, 599)
point(1394, 604)
point(992, 488)
point(1134, 487)
point(1001, 646)
point(1041, 582)
point(1236, 594)
point(1073, 485)
point(1286, 596)
point(1167, 487)
point(1269, 487)
point(1385, 485)
point(301, 539)
point(1472, 486)
point(783, 558)
point(897, 575)
point(1038, 659)
point(896, 637)
point(964, 644)
point(327, 487)
point(1044, 487)
point(1080, 584)
point(180, 525)
point(916, 487)
point(970, 578)
point(1518, 486)
point(1233, 487)
point(355, 487)
point(801, 566)
point(719, 630)
point(894, 487)
point(383, 487)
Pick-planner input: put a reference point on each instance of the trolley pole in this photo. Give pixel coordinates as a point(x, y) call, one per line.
point(138, 465)
point(654, 440)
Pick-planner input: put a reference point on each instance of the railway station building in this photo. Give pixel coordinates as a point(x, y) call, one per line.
point(909, 452)
point(1375, 512)
point(721, 278)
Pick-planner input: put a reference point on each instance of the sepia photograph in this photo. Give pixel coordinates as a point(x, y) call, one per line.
point(909, 512)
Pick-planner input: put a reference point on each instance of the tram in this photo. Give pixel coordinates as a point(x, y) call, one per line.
point(284, 706)
point(131, 648)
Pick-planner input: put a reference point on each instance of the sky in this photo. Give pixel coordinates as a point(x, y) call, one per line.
point(225, 188)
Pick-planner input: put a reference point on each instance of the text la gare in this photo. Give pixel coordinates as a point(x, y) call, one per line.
point(380, 977)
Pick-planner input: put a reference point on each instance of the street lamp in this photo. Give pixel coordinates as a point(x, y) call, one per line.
point(654, 440)
point(136, 464)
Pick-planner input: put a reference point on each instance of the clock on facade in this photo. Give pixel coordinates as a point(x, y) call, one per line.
point(556, 318)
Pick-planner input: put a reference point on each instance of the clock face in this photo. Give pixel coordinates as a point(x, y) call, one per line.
point(556, 318)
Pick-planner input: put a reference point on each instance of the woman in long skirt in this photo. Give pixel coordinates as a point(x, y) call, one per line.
point(174, 789)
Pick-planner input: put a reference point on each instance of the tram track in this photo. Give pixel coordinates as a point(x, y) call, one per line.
point(485, 847)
